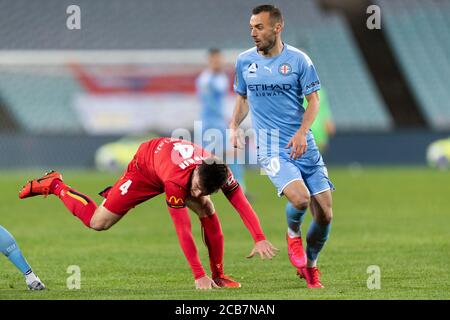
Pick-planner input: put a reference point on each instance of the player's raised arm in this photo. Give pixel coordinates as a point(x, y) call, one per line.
point(237, 198)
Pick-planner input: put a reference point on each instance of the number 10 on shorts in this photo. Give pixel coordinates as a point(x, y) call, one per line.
point(124, 187)
point(272, 167)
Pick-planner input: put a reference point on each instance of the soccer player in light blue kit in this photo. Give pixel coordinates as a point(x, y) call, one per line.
point(9, 247)
point(272, 79)
point(212, 85)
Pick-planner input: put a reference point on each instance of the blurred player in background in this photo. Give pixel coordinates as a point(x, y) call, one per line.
point(10, 248)
point(272, 79)
point(212, 86)
point(187, 174)
point(323, 126)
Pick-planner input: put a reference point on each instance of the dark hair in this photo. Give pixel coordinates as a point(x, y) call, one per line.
point(274, 12)
point(213, 175)
point(212, 51)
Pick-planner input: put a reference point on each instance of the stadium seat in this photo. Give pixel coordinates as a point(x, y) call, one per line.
point(35, 99)
point(418, 33)
point(149, 24)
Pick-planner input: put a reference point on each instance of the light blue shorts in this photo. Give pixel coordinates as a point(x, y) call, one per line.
point(309, 168)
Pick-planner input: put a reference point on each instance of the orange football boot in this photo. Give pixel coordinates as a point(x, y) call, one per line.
point(311, 275)
point(39, 186)
point(226, 282)
point(296, 253)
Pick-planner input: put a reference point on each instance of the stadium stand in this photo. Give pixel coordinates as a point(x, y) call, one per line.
point(418, 32)
point(355, 101)
point(34, 98)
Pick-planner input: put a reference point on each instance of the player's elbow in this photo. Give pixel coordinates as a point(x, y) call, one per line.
point(315, 104)
point(313, 99)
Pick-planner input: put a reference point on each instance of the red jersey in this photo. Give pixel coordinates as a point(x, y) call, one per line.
point(170, 162)
point(165, 165)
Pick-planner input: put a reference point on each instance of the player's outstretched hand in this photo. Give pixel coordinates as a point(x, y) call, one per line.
point(265, 250)
point(299, 145)
point(205, 283)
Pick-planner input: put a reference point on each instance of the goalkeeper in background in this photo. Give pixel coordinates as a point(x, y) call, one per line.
point(9, 247)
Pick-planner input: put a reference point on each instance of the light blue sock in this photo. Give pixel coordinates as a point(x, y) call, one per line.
point(238, 172)
point(10, 249)
point(294, 219)
point(315, 239)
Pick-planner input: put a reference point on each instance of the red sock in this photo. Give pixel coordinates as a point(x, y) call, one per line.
point(80, 205)
point(213, 237)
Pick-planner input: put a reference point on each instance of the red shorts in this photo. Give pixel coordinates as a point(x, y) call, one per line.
point(133, 188)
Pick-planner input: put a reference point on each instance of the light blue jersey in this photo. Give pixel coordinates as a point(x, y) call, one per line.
point(275, 88)
point(211, 89)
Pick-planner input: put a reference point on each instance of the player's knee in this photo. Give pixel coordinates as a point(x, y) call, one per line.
point(99, 225)
point(96, 226)
point(326, 217)
point(301, 202)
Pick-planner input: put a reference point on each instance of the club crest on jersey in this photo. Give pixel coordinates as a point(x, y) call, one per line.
point(285, 69)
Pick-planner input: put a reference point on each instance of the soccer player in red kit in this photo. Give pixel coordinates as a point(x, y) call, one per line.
point(187, 175)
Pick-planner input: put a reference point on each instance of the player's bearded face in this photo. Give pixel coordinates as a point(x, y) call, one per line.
point(267, 43)
point(263, 32)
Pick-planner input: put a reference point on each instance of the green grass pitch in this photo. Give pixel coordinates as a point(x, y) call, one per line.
point(394, 218)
